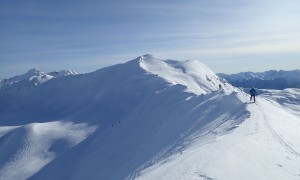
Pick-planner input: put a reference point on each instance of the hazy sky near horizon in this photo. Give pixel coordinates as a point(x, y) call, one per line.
point(228, 36)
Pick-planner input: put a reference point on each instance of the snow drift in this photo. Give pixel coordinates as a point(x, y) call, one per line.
point(147, 118)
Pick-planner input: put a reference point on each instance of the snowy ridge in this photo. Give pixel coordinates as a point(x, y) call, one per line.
point(197, 77)
point(148, 119)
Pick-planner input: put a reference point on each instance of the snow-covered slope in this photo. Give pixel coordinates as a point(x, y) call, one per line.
point(265, 80)
point(264, 146)
point(148, 118)
point(197, 77)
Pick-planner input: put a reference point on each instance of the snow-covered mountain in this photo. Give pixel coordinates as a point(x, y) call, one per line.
point(147, 119)
point(32, 78)
point(265, 80)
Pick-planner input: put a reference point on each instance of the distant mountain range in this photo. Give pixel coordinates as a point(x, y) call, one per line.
point(32, 78)
point(265, 80)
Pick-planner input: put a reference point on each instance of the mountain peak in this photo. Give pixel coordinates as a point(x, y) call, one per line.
point(33, 77)
point(147, 57)
point(28, 75)
point(197, 77)
point(34, 72)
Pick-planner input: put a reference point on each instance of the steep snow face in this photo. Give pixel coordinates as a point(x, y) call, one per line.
point(197, 77)
point(31, 78)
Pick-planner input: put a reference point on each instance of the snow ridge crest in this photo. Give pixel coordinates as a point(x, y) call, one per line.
point(197, 77)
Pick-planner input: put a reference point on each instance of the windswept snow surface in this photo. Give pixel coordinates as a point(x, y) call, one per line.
point(26, 149)
point(265, 146)
point(147, 119)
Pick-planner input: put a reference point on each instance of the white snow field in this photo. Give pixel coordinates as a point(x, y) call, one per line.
point(148, 119)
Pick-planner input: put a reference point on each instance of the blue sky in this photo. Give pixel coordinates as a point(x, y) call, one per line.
point(228, 36)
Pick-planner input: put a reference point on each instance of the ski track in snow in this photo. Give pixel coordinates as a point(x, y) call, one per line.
point(275, 134)
point(204, 177)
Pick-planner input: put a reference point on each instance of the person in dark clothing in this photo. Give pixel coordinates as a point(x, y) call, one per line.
point(252, 93)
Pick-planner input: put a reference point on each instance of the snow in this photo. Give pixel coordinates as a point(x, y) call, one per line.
point(265, 146)
point(197, 77)
point(289, 98)
point(38, 144)
point(148, 119)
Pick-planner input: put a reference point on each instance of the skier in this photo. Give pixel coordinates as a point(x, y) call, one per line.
point(252, 93)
